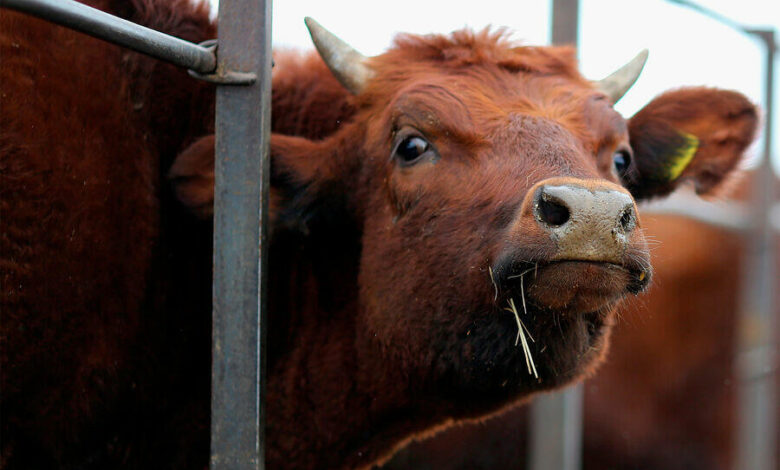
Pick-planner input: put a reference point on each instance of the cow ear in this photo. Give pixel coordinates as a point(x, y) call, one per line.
point(690, 135)
point(192, 177)
point(299, 167)
point(298, 162)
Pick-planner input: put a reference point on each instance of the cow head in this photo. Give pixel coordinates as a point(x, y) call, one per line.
point(494, 190)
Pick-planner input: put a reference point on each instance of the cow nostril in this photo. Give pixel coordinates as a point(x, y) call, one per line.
point(553, 212)
point(627, 221)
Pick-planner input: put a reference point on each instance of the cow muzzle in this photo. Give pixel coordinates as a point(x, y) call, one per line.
point(576, 246)
point(587, 221)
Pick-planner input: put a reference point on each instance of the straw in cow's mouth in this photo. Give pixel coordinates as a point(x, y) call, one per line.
point(493, 280)
point(521, 332)
point(521, 328)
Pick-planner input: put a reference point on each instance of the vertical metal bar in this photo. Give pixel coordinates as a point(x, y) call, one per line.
point(556, 431)
point(240, 214)
point(756, 366)
point(565, 20)
point(556, 418)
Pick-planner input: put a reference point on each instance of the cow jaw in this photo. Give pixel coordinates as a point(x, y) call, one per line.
point(569, 302)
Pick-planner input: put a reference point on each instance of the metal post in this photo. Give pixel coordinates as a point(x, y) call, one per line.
point(755, 365)
point(556, 430)
point(565, 20)
point(240, 252)
point(556, 419)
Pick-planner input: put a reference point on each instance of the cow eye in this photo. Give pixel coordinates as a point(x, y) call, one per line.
point(410, 149)
point(622, 161)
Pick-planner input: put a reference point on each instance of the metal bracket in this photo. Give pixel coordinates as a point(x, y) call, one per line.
point(220, 76)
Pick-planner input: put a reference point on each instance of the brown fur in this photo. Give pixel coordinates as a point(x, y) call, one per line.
point(677, 413)
point(92, 248)
point(382, 312)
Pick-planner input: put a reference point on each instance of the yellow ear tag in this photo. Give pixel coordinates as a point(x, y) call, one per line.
point(682, 156)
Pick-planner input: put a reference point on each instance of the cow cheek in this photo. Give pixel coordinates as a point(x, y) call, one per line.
point(416, 291)
point(391, 308)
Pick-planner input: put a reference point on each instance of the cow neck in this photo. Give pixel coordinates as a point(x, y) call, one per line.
point(323, 378)
point(315, 355)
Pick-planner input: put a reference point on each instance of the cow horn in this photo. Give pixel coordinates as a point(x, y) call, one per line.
point(618, 82)
point(348, 65)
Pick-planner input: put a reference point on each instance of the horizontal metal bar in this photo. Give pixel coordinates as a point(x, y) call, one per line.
point(101, 25)
point(730, 215)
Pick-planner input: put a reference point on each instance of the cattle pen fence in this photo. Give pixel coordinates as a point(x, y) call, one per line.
point(241, 69)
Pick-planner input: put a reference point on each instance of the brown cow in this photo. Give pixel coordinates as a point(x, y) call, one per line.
point(430, 151)
point(463, 176)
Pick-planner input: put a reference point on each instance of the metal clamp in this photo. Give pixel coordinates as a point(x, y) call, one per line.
point(220, 76)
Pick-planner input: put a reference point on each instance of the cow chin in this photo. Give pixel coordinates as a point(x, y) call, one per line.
point(566, 310)
point(492, 369)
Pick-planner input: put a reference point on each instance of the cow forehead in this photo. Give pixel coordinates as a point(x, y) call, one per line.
point(470, 110)
point(467, 49)
point(477, 61)
point(479, 91)
point(487, 91)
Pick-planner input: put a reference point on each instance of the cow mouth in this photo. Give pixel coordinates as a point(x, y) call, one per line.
point(549, 325)
point(568, 307)
point(574, 286)
point(562, 310)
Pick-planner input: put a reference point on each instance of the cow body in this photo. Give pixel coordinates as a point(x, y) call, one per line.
point(463, 193)
point(106, 284)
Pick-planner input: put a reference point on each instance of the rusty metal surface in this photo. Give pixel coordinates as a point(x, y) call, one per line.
point(240, 214)
point(101, 25)
point(221, 76)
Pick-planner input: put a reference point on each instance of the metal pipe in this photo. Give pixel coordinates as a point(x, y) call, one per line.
point(756, 364)
point(556, 430)
point(565, 21)
point(243, 123)
point(101, 25)
point(556, 419)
